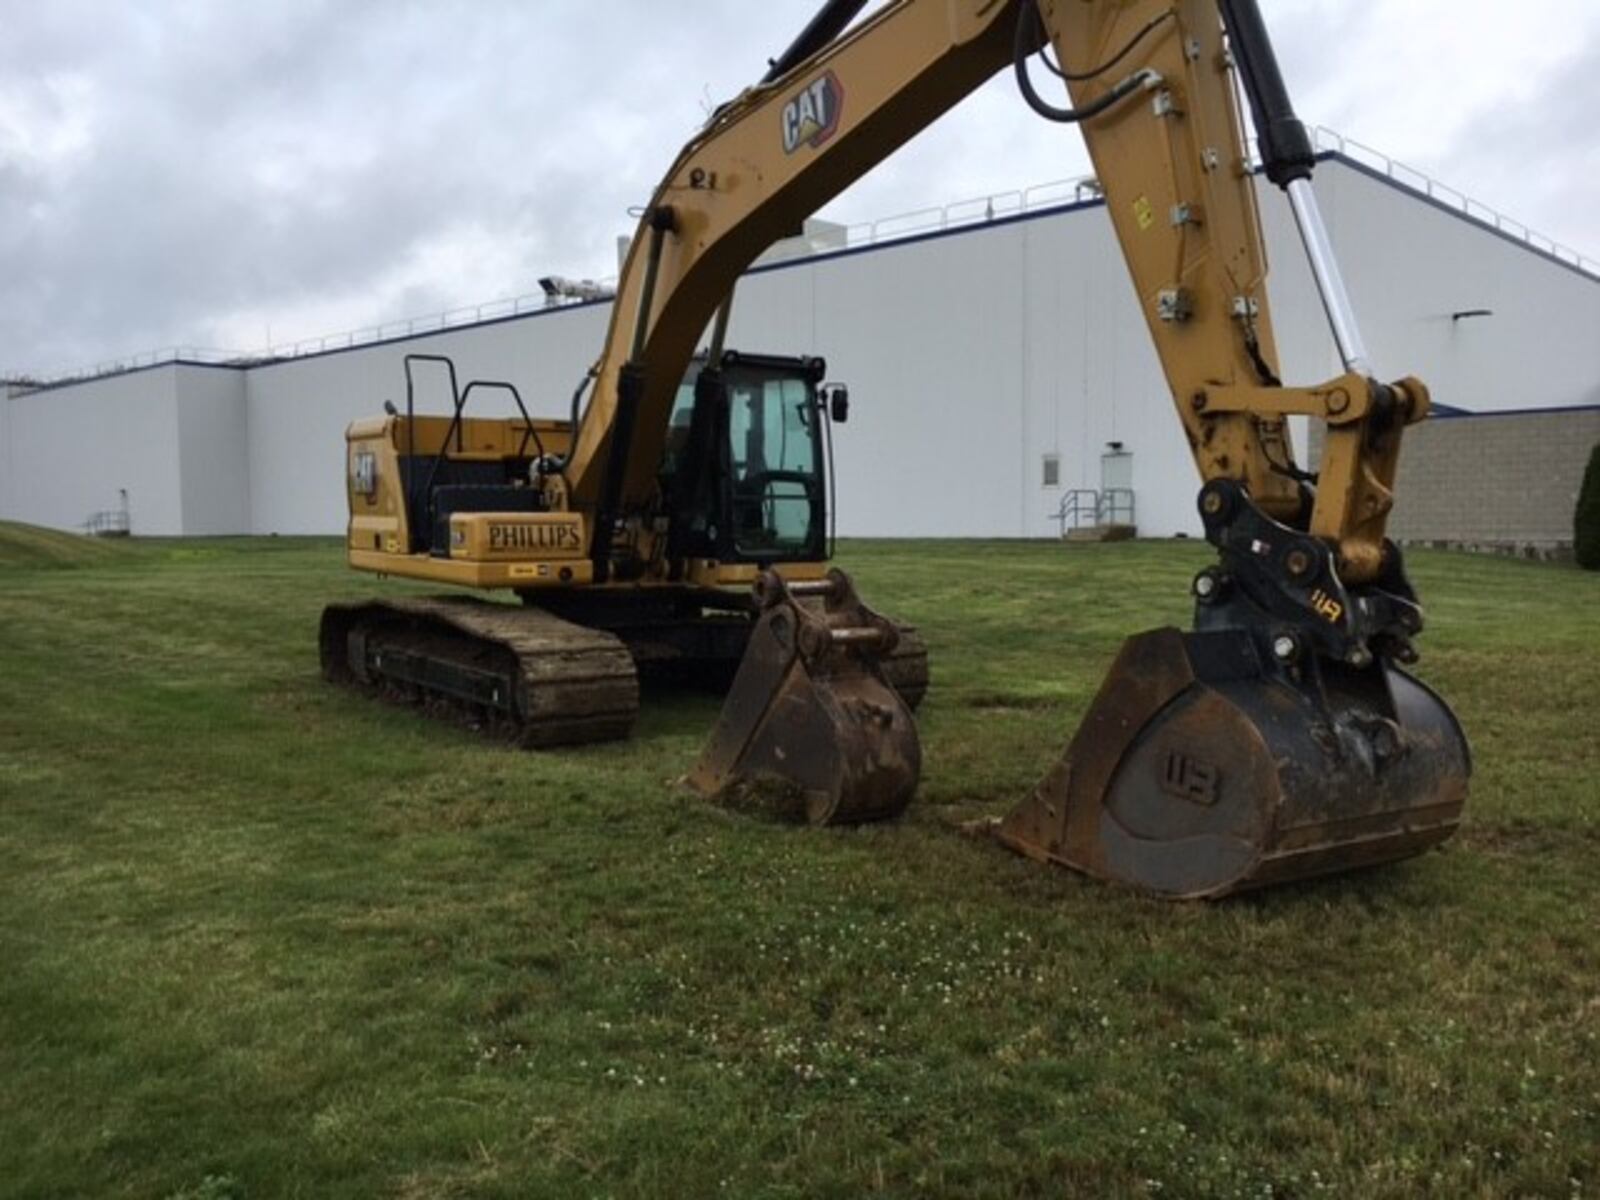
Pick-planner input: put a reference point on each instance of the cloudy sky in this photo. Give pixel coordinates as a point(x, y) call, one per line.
point(226, 174)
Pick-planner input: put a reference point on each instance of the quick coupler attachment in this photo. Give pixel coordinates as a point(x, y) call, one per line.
point(810, 711)
point(1206, 766)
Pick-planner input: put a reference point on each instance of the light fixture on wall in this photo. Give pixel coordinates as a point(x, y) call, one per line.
point(558, 288)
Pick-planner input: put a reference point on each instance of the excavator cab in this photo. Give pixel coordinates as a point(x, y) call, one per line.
point(746, 465)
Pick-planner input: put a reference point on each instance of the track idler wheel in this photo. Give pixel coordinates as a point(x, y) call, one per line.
point(1205, 767)
point(810, 711)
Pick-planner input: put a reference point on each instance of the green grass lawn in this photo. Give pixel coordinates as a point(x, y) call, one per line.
point(261, 937)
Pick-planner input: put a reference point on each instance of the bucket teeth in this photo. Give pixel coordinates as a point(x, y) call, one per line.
point(1201, 770)
point(811, 712)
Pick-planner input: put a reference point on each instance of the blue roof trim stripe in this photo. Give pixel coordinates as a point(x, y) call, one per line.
point(269, 363)
point(1445, 413)
point(1078, 206)
point(123, 374)
point(934, 235)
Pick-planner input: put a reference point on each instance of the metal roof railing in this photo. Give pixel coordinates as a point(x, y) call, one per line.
point(133, 362)
point(978, 210)
point(961, 214)
point(403, 327)
point(450, 318)
point(1414, 180)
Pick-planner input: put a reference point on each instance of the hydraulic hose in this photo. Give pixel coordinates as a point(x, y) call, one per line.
point(577, 398)
point(1286, 150)
point(1095, 72)
point(1029, 31)
point(828, 23)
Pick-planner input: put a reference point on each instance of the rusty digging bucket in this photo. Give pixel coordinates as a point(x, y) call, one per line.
point(810, 711)
point(1203, 768)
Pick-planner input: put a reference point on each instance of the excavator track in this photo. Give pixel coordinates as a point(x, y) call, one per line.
point(535, 678)
point(521, 673)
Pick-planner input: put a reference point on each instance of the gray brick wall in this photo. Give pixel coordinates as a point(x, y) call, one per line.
point(1502, 481)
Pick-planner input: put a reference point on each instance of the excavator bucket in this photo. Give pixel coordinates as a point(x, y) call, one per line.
point(1204, 767)
point(811, 711)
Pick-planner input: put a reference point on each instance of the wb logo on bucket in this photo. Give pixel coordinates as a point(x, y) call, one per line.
point(812, 117)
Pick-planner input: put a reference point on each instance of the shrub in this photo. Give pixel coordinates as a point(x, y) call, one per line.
point(1586, 520)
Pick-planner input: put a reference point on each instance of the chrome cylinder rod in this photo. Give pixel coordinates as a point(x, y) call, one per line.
point(719, 331)
point(1330, 283)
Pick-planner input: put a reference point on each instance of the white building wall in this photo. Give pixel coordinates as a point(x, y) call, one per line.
point(974, 355)
point(934, 441)
point(970, 357)
point(1410, 266)
point(69, 449)
point(1093, 379)
point(213, 450)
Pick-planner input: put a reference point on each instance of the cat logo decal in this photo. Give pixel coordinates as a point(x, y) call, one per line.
point(812, 117)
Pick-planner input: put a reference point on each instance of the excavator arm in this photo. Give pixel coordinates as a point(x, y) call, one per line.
point(1179, 190)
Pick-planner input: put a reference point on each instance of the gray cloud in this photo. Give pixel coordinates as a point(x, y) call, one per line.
point(1555, 187)
point(200, 172)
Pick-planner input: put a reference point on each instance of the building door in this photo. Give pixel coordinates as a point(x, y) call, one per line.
point(1116, 485)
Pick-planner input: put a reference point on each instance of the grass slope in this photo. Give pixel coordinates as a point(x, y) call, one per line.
point(260, 938)
point(32, 546)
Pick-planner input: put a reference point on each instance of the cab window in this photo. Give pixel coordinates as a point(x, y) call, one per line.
point(776, 461)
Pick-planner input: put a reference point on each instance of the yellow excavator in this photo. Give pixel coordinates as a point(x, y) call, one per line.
point(681, 519)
